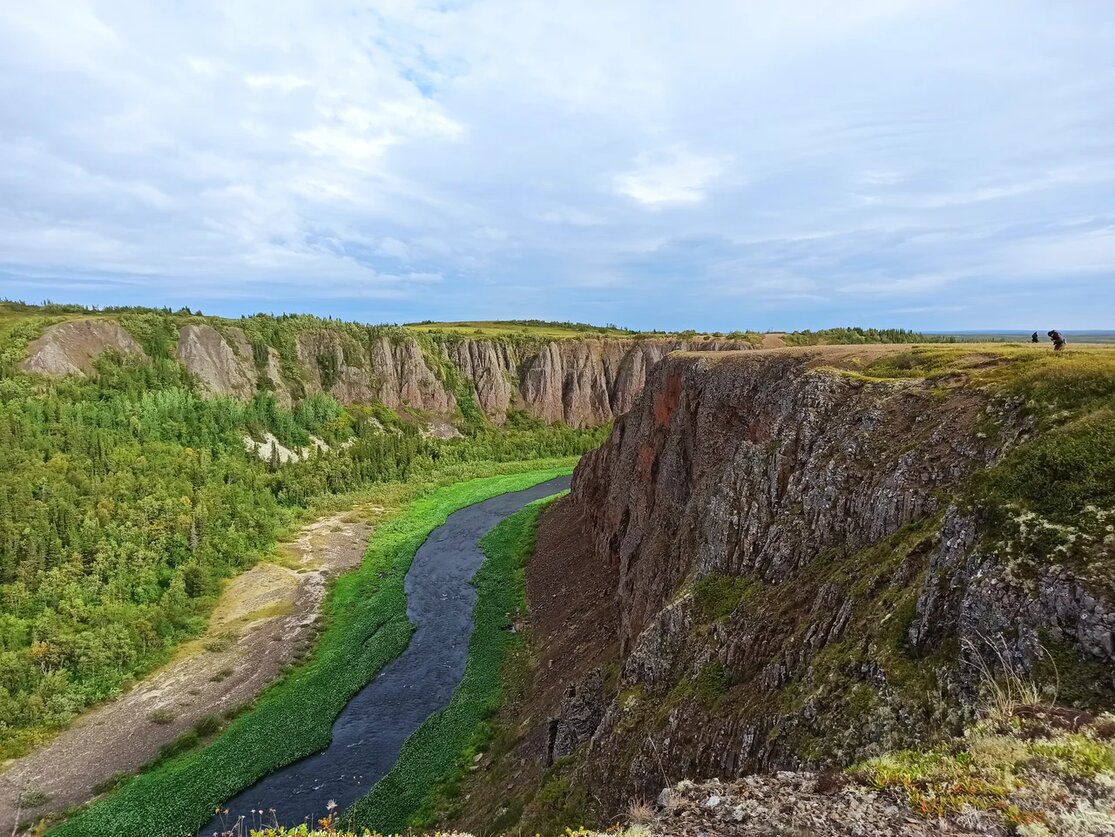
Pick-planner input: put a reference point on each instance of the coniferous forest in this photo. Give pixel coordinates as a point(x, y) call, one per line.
point(127, 497)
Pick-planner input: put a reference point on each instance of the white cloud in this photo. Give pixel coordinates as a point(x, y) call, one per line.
point(284, 82)
point(576, 159)
point(1071, 252)
point(571, 216)
point(670, 177)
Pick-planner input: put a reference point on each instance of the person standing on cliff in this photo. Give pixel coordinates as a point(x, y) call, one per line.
point(1058, 340)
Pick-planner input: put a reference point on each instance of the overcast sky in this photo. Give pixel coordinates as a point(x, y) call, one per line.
point(718, 165)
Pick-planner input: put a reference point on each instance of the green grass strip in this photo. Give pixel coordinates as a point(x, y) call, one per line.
point(366, 628)
point(433, 760)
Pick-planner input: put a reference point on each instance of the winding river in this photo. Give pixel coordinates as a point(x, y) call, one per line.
point(371, 729)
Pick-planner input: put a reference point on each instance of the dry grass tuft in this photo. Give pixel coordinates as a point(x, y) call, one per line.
point(1010, 691)
point(640, 812)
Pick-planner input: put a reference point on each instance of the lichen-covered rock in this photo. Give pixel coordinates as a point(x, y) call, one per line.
point(791, 804)
point(1004, 609)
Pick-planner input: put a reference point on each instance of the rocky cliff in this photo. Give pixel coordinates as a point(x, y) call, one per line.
point(801, 570)
point(580, 382)
point(71, 348)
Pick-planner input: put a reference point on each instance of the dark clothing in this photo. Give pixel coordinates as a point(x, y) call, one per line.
point(1058, 340)
point(1034, 337)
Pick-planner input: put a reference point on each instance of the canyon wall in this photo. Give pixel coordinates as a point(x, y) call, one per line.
point(580, 382)
point(798, 576)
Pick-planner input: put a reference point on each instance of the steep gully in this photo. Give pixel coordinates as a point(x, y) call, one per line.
point(371, 729)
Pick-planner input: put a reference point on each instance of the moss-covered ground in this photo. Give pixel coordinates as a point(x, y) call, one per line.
point(1022, 768)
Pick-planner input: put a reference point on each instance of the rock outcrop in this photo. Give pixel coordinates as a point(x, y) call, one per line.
point(221, 369)
point(754, 465)
point(70, 348)
point(1008, 608)
point(796, 582)
point(582, 708)
point(579, 382)
point(582, 383)
point(226, 364)
point(491, 367)
point(1022, 774)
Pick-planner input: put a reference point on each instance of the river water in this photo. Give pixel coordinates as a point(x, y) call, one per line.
point(371, 729)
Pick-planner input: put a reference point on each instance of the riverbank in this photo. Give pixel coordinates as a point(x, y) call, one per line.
point(413, 690)
point(265, 620)
point(443, 749)
point(366, 627)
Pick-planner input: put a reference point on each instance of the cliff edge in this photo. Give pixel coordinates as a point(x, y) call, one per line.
point(802, 559)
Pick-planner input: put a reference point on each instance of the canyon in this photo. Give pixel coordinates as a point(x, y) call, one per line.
point(779, 571)
point(580, 382)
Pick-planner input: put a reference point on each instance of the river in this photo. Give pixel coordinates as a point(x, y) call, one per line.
point(371, 729)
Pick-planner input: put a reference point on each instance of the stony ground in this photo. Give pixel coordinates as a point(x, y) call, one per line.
point(786, 804)
point(264, 621)
point(1039, 772)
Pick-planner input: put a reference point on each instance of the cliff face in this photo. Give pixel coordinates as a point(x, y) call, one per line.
point(755, 465)
point(797, 577)
point(70, 348)
point(582, 383)
point(736, 502)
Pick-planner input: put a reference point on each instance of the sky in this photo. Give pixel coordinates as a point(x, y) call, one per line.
point(717, 165)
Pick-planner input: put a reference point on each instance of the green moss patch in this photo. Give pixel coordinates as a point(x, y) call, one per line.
point(992, 769)
point(718, 595)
